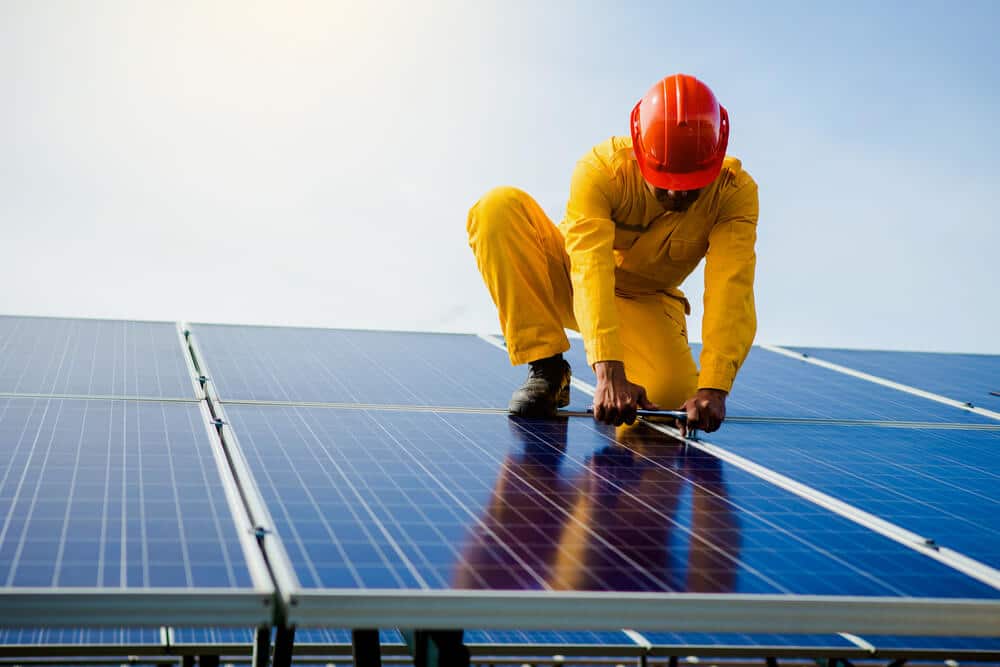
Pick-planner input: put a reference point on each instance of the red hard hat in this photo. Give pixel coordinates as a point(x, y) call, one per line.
point(679, 134)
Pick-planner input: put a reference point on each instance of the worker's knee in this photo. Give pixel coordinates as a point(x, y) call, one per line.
point(497, 213)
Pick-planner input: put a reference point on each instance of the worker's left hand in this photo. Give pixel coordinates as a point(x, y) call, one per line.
point(706, 411)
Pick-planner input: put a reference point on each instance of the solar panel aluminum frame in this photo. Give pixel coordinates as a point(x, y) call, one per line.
point(935, 654)
point(762, 651)
point(111, 606)
point(681, 612)
point(274, 551)
point(199, 391)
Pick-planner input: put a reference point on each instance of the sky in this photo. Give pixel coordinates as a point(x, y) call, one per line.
point(312, 163)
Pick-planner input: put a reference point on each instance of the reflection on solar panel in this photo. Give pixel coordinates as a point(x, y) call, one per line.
point(337, 366)
point(941, 484)
point(115, 494)
point(40, 355)
point(962, 377)
point(462, 501)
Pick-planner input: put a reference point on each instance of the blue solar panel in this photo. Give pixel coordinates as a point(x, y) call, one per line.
point(40, 355)
point(205, 636)
point(548, 637)
point(773, 385)
point(963, 377)
point(942, 484)
point(368, 367)
point(417, 500)
point(693, 639)
point(886, 644)
point(327, 636)
point(79, 636)
point(115, 494)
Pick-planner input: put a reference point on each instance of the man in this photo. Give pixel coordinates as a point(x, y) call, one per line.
point(642, 213)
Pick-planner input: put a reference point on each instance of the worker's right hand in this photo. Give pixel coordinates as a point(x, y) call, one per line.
point(616, 399)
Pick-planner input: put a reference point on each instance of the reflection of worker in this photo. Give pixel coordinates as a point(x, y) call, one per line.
point(642, 213)
point(611, 527)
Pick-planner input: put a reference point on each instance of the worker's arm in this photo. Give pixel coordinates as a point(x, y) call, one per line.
point(590, 234)
point(730, 319)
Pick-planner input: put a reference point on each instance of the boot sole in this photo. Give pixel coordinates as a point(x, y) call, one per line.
point(540, 411)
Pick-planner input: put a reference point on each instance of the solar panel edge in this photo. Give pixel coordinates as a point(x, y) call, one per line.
point(258, 567)
point(279, 566)
point(83, 318)
point(287, 583)
point(182, 339)
point(306, 327)
point(686, 612)
point(137, 607)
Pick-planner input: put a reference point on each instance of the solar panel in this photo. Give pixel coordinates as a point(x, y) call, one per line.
point(981, 648)
point(120, 497)
point(553, 637)
point(962, 377)
point(410, 501)
point(127, 636)
point(75, 643)
point(941, 484)
point(705, 643)
point(182, 636)
point(772, 385)
point(366, 367)
point(40, 355)
point(550, 642)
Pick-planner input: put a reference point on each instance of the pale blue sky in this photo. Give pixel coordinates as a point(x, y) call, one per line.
point(312, 162)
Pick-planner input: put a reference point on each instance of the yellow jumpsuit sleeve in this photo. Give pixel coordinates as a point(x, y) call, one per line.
point(730, 317)
point(589, 233)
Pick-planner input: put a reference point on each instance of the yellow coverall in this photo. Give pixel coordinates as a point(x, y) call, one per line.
point(612, 271)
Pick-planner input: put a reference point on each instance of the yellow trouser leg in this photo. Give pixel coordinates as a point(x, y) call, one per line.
point(657, 354)
point(526, 269)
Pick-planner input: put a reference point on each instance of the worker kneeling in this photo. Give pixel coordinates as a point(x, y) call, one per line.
point(643, 211)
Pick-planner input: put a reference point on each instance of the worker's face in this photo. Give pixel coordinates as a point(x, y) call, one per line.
point(674, 200)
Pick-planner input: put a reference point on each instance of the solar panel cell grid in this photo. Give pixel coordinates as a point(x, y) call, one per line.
point(580, 638)
point(672, 639)
point(941, 484)
point(962, 377)
point(772, 385)
point(79, 636)
point(367, 367)
point(112, 493)
point(887, 642)
point(422, 500)
point(92, 357)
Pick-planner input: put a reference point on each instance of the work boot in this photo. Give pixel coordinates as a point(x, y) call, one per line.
point(545, 390)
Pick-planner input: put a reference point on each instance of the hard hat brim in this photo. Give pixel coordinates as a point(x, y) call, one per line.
point(688, 181)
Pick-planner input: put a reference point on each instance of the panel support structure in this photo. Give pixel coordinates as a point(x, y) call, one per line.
point(437, 648)
point(262, 647)
point(365, 648)
point(284, 640)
